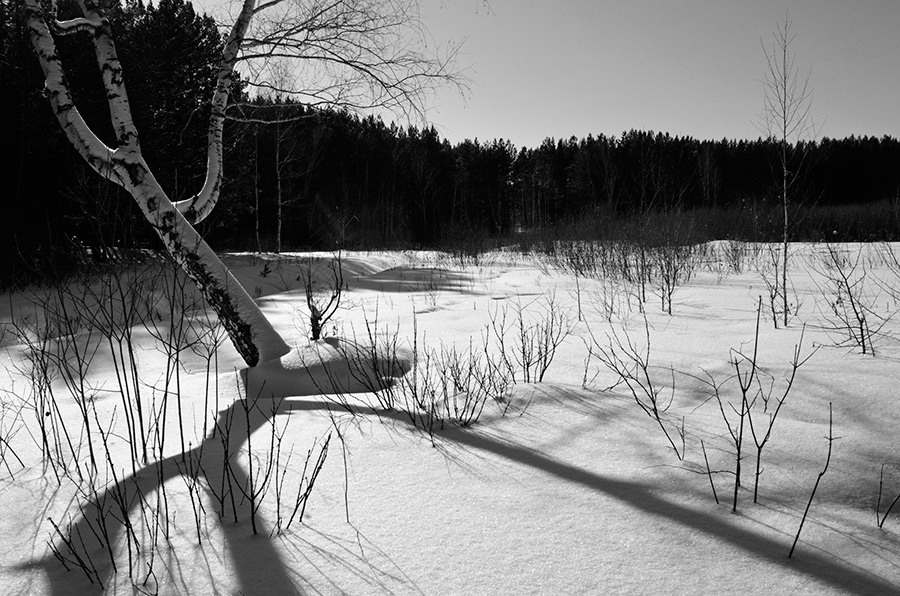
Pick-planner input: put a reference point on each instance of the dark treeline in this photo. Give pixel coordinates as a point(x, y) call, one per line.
point(298, 178)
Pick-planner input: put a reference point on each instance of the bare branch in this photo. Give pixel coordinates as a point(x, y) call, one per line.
point(357, 54)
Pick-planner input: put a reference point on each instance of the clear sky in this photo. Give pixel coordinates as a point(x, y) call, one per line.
point(557, 68)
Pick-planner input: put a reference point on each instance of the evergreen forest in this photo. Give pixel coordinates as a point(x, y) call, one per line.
point(303, 178)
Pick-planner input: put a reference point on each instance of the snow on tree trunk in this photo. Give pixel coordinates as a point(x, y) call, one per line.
point(252, 334)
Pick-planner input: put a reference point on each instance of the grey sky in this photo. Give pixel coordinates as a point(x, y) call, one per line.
point(542, 68)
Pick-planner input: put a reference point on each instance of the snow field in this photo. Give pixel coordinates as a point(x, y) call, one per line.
point(562, 487)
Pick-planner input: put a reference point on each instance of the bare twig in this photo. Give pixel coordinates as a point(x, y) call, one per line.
point(831, 439)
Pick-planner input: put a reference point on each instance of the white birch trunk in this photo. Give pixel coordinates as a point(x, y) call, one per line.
point(252, 334)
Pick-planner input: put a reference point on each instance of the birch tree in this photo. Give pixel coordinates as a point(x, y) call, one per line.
point(356, 54)
point(786, 119)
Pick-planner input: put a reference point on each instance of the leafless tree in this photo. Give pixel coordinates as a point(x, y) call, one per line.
point(786, 118)
point(324, 292)
point(352, 53)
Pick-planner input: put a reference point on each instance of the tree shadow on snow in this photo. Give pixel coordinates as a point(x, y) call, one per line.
point(103, 523)
point(256, 563)
point(260, 569)
point(844, 576)
point(414, 279)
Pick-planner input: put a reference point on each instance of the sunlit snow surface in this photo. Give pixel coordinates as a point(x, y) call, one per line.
point(572, 489)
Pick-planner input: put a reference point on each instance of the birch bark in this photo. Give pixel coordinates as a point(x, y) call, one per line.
point(252, 334)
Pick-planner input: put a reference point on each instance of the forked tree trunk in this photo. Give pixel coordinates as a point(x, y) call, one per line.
point(252, 334)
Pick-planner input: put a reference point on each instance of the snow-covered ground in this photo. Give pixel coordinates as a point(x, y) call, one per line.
point(564, 486)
